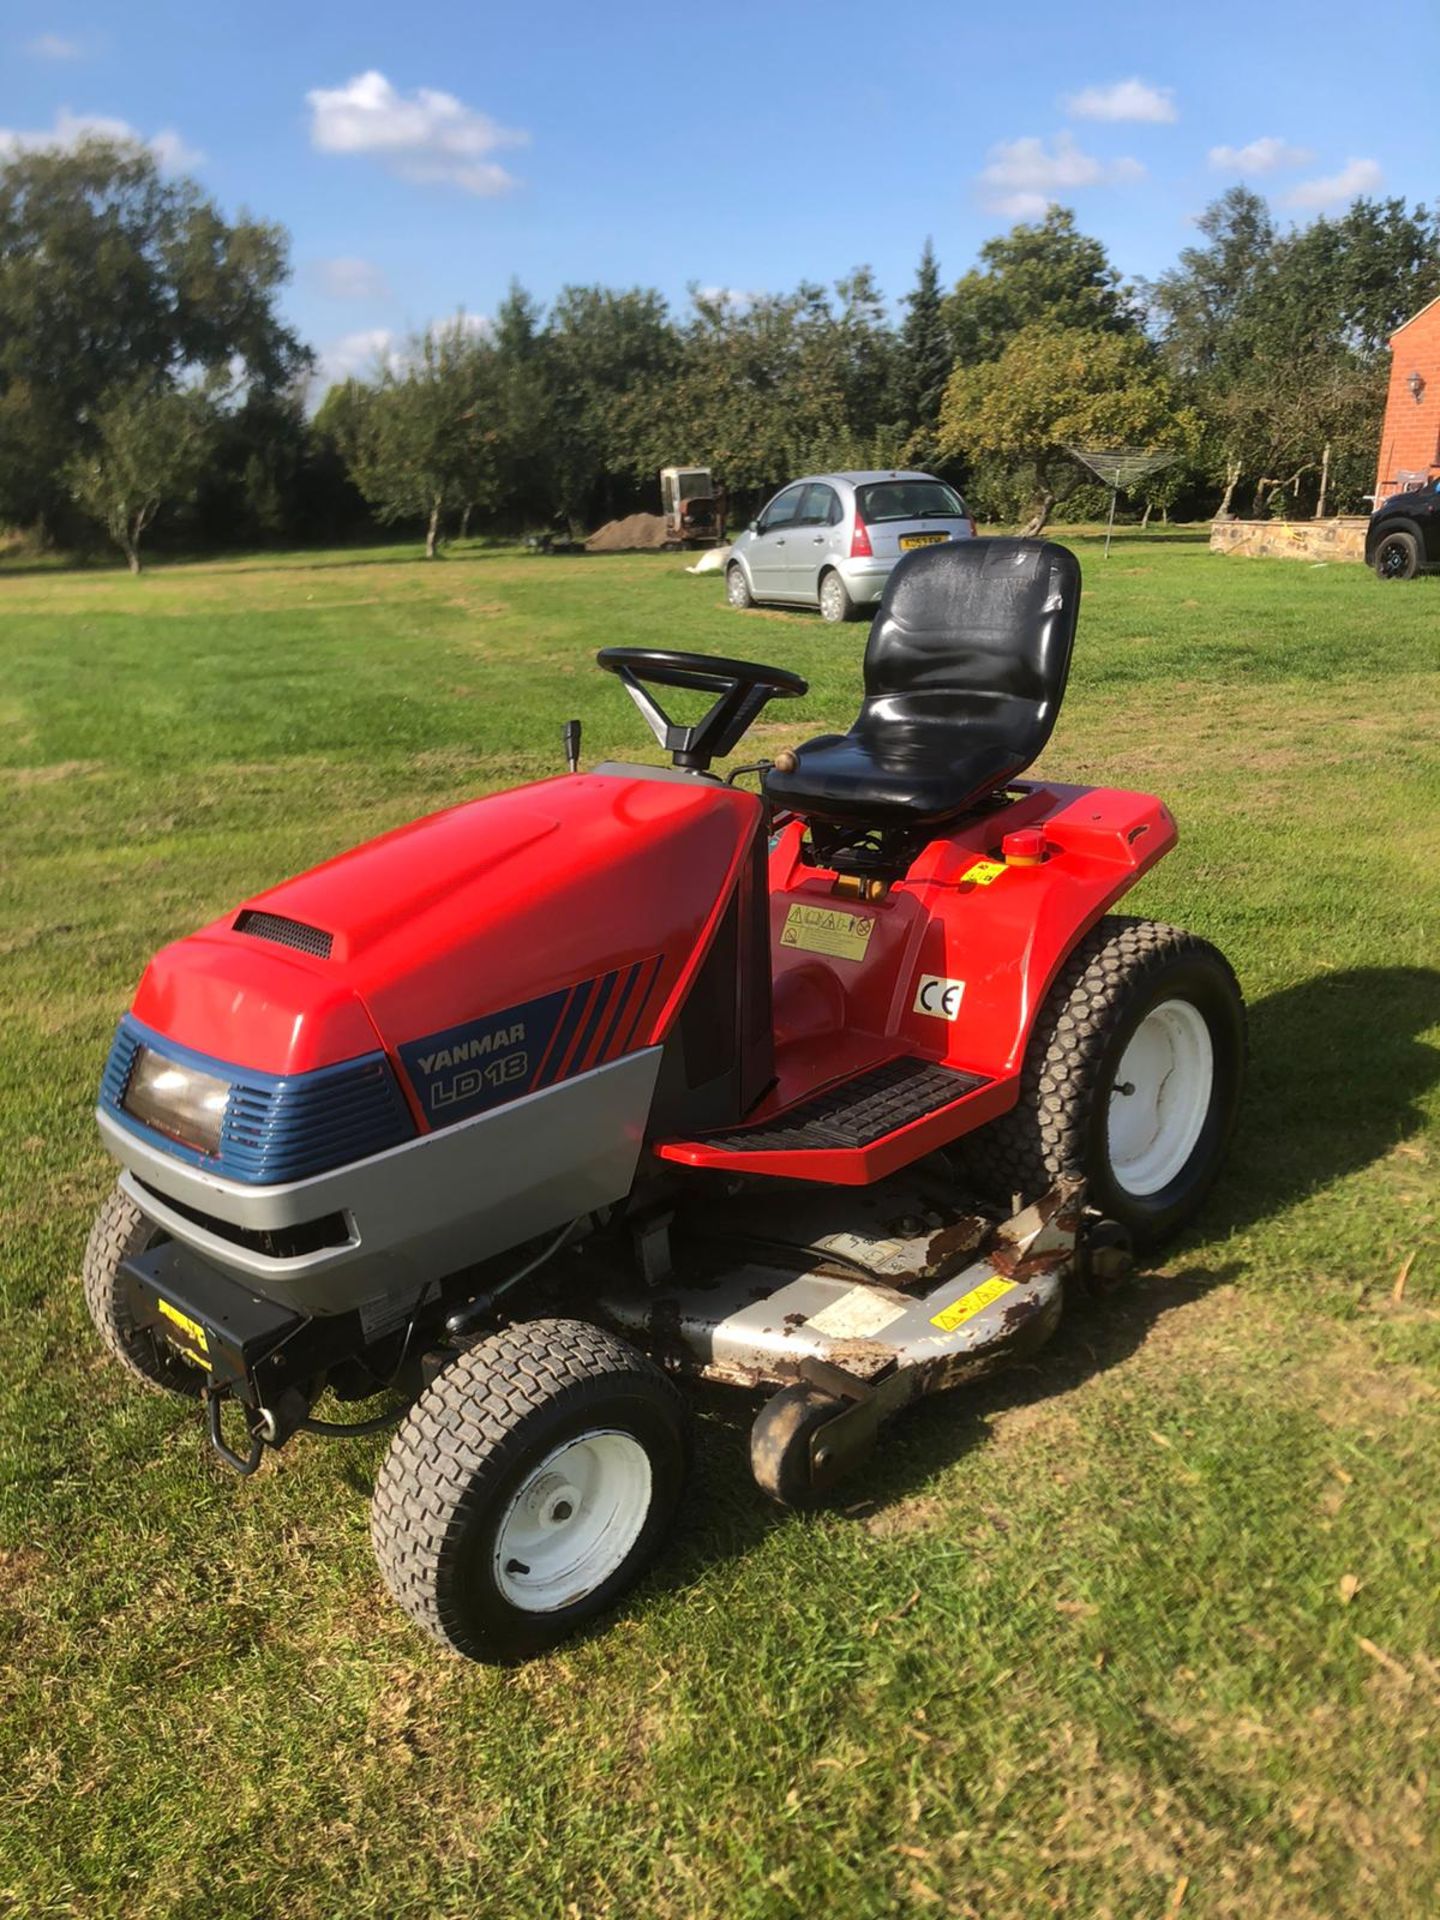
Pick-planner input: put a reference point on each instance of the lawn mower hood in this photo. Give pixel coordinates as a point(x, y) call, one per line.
point(501, 973)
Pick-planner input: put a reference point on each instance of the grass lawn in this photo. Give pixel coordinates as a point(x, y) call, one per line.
point(1150, 1627)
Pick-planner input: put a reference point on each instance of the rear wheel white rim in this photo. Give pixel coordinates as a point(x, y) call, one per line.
point(1160, 1097)
point(573, 1521)
point(832, 598)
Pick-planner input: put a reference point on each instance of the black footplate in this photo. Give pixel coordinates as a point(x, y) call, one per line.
point(858, 1112)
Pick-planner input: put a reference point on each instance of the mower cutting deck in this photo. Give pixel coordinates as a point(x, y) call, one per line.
point(526, 1112)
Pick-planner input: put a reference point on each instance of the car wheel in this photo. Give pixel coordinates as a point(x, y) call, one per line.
point(737, 589)
point(836, 606)
point(121, 1231)
point(1397, 557)
point(1132, 1079)
point(529, 1487)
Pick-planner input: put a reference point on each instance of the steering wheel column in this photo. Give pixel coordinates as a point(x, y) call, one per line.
point(741, 688)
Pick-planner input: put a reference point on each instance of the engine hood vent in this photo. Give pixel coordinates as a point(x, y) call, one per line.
point(285, 932)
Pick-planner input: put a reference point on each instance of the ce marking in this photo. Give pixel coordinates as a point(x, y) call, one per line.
point(938, 997)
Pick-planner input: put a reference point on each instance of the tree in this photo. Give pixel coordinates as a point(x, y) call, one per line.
point(1051, 388)
point(924, 362)
point(610, 357)
point(150, 448)
point(420, 443)
point(1201, 307)
point(1047, 273)
point(109, 276)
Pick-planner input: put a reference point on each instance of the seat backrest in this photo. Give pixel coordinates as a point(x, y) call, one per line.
point(977, 630)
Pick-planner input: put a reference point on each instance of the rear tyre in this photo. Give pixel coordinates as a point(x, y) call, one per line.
point(1132, 1078)
point(1397, 557)
point(836, 606)
point(529, 1487)
point(119, 1233)
point(737, 589)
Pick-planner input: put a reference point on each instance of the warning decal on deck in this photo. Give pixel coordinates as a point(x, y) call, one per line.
point(857, 1315)
point(969, 1304)
point(982, 873)
point(844, 936)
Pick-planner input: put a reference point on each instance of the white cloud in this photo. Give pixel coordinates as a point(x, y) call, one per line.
point(357, 355)
point(1260, 156)
point(1125, 100)
point(350, 278)
point(1337, 189)
point(70, 129)
point(1023, 177)
point(55, 46)
point(425, 136)
point(726, 296)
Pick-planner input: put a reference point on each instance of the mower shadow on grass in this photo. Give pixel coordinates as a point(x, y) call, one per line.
point(1338, 1070)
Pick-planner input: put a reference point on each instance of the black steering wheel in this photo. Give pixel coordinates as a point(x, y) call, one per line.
point(741, 690)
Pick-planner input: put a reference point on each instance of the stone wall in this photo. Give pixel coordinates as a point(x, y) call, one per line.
point(1340, 539)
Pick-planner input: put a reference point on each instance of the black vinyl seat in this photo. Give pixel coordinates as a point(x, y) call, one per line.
point(964, 672)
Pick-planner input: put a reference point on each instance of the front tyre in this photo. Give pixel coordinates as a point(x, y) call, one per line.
point(737, 588)
point(529, 1487)
point(1132, 1078)
point(120, 1232)
point(1397, 557)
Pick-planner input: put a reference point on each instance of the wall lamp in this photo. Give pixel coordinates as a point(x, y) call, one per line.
point(1416, 384)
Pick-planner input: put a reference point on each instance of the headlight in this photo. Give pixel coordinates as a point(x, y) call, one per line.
point(179, 1101)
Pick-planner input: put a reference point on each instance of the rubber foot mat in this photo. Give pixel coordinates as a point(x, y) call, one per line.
point(858, 1112)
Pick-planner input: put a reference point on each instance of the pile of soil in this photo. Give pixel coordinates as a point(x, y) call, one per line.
point(637, 533)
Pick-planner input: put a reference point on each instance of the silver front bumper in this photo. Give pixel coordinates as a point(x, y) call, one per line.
point(418, 1211)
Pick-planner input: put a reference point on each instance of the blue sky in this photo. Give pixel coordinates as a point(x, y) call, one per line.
point(422, 155)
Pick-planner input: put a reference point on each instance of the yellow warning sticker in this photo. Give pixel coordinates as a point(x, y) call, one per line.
point(969, 1304)
point(191, 1329)
point(845, 936)
point(982, 873)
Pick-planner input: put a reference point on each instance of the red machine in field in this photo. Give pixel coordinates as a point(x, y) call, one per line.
point(526, 1109)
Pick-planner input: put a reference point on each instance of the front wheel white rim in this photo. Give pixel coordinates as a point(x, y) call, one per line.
point(1160, 1097)
point(736, 583)
point(573, 1521)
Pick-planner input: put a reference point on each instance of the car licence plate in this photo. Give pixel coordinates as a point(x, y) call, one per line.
point(909, 540)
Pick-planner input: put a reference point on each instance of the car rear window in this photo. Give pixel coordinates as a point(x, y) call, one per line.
point(908, 500)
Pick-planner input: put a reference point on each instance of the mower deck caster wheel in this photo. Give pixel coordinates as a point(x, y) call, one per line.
point(793, 1459)
point(529, 1487)
point(1106, 1260)
point(121, 1231)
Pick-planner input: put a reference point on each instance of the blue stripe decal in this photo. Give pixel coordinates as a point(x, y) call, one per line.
point(622, 994)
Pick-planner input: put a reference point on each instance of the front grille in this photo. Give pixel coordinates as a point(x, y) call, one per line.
point(285, 932)
point(278, 1243)
point(276, 1128)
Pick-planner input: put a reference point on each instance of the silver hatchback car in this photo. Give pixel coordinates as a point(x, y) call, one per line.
point(830, 540)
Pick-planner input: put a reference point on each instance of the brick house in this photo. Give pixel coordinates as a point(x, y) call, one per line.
point(1410, 437)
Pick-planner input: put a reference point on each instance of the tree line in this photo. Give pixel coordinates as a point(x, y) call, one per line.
point(145, 371)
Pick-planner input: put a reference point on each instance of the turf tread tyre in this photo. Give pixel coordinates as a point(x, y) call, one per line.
point(472, 1431)
point(121, 1230)
point(1053, 1129)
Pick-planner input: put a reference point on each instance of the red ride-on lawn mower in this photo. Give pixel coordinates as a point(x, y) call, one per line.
point(531, 1108)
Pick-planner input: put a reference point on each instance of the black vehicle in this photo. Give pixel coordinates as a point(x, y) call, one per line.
point(1403, 537)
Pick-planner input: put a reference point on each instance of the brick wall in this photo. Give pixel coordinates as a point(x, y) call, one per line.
point(1410, 437)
